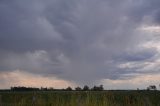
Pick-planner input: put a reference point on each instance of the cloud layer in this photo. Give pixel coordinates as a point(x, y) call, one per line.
point(81, 41)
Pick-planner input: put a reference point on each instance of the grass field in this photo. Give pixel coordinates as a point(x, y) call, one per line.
point(80, 98)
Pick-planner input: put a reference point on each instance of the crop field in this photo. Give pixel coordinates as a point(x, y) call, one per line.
point(80, 98)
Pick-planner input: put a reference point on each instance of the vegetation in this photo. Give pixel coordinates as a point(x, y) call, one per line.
point(152, 87)
point(85, 88)
point(95, 96)
point(78, 88)
point(80, 98)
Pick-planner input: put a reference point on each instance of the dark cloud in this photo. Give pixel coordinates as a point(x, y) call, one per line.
point(22, 24)
point(82, 41)
point(137, 55)
point(141, 9)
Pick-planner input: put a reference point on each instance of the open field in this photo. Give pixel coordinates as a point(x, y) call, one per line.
point(80, 98)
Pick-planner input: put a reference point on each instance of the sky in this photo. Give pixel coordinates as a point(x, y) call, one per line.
point(61, 43)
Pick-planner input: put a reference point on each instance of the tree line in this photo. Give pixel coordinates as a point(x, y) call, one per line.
point(85, 88)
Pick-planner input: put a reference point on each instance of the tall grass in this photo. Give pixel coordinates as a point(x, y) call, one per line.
point(81, 98)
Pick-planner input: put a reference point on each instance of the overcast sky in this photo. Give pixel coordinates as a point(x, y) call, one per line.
point(64, 43)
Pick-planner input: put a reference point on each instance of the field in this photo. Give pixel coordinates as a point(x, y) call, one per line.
point(80, 98)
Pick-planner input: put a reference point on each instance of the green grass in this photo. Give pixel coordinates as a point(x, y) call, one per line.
point(81, 98)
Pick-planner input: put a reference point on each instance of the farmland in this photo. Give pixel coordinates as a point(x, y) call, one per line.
point(81, 98)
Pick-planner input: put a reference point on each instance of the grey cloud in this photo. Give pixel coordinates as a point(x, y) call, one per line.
point(157, 16)
point(138, 55)
point(144, 8)
point(23, 25)
point(74, 40)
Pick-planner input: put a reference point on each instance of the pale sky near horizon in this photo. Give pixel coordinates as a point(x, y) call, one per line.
point(61, 43)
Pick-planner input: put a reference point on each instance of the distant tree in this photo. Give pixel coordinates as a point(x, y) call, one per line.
point(97, 88)
point(69, 88)
point(152, 87)
point(78, 88)
point(44, 89)
point(50, 89)
point(94, 88)
point(85, 88)
point(101, 88)
point(24, 89)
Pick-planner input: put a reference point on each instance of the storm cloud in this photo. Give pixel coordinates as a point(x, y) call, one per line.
point(79, 40)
